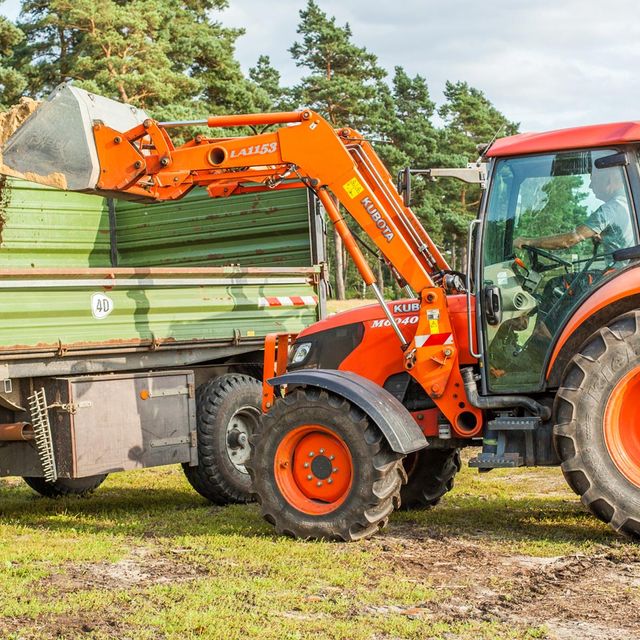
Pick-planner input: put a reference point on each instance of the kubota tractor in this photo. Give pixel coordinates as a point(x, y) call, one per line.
point(533, 355)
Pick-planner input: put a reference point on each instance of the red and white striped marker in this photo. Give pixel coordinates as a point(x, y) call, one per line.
point(288, 301)
point(434, 339)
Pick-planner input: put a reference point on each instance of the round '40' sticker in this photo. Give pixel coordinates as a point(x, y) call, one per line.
point(101, 306)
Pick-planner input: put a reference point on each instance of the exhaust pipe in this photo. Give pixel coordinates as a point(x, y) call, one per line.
point(16, 432)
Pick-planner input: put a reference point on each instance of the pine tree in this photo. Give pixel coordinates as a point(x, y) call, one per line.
point(270, 96)
point(470, 120)
point(344, 84)
point(166, 56)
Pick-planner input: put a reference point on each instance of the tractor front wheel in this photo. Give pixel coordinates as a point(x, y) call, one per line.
point(321, 469)
point(597, 430)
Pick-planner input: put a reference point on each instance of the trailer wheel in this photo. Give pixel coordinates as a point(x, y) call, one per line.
point(430, 474)
point(322, 470)
point(228, 412)
point(597, 418)
point(66, 486)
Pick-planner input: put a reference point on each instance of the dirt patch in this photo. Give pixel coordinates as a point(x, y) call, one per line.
point(575, 596)
point(142, 568)
point(90, 625)
point(10, 121)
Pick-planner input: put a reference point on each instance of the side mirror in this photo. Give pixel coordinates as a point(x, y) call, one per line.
point(404, 185)
point(614, 160)
point(631, 253)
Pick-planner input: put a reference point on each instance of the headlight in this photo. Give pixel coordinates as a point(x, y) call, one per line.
point(300, 352)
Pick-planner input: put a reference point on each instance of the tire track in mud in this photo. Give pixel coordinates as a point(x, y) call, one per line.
point(575, 596)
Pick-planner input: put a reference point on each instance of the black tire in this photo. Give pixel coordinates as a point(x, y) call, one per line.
point(430, 474)
point(226, 407)
point(62, 487)
point(376, 471)
point(609, 355)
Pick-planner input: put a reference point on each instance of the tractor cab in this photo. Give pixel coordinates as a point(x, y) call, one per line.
point(552, 228)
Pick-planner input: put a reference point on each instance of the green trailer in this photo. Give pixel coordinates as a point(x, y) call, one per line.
point(132, 333)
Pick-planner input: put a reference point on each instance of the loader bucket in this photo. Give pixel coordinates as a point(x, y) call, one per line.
point(55, 145)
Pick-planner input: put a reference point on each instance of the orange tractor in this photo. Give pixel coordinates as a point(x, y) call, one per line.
point(533, 355)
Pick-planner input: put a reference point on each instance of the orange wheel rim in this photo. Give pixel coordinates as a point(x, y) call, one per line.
point(622, 426)
point(313, 469)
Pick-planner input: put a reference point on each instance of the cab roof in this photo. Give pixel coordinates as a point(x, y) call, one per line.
point(597, 135)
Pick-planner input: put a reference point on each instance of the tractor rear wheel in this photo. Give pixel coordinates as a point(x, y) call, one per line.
point(430, 474)
point(62, 487)
point(597, 424)
point(321, 469)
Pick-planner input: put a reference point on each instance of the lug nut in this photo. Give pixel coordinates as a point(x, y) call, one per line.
point(309, 477)
point(334, 470)
point(321, 451)
point(331, 457)
point(311, 454)
point(319, 484)
point(330, 481)
point(306, 465)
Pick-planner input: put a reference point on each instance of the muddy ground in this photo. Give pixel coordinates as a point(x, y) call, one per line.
point(512, 556)
point(576, 597)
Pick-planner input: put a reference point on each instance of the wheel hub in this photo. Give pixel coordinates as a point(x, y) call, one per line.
point(313, 469)
point(240, 427)
point(321, 467)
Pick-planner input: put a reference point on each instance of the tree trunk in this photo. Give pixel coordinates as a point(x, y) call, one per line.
point(454, 249)
point(380, 274)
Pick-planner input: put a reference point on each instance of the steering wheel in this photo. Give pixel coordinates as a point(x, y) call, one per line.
point(536, 252)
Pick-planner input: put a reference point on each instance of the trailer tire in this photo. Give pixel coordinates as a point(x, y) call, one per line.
point(63, 487)
point(596, 416)
point(430, 474)
point(322, 470)
point(228, 407)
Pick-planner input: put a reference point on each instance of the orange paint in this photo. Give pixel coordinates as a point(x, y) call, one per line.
point(313, 469)
point(622, 286)
point(621, 431)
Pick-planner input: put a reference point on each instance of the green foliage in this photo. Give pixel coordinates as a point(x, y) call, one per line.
point(344, 82)
point(270, 96)
point(176, 61)
point(163, 55)
point(12, 82)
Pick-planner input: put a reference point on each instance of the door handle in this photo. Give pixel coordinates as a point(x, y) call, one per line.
point(493, 304)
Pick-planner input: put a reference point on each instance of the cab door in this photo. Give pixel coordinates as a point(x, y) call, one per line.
point(549, 237)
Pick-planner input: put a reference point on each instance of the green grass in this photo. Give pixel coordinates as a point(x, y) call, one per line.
point(146, 557)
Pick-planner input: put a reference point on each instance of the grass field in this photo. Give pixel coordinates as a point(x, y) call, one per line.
point(505, 555)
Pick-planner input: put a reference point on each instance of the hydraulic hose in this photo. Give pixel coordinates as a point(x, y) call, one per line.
point(500, 402)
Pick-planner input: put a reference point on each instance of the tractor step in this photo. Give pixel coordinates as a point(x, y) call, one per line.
point(496, 440)
point(508, 423)
point(494, 461)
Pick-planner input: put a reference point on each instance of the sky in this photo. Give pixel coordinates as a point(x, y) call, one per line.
point(546, 64)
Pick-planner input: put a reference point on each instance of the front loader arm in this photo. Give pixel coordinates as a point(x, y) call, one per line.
point(339, 166)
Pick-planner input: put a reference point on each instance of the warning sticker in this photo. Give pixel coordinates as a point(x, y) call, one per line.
point(353, 188)
point(433, 316)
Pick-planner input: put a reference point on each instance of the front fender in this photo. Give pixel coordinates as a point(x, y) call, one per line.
point(390, 416)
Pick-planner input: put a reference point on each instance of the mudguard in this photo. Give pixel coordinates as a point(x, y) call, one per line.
point(396, 423)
